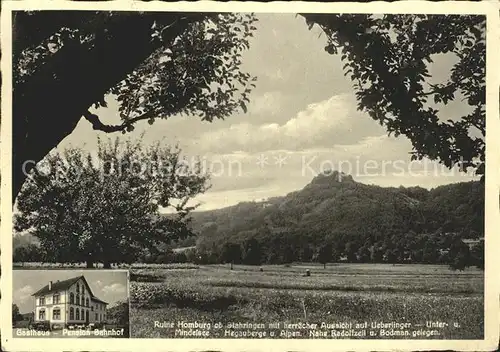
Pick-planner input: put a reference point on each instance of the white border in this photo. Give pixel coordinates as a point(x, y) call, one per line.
point(492, 284)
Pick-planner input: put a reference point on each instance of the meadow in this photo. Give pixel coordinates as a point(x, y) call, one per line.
point(347, 293)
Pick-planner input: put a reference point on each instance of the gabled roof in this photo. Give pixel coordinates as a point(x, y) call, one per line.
point(64, 285)
point(58, 286)
point(94, 298)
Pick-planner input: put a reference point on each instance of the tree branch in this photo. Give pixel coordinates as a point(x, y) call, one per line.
point(99, 126)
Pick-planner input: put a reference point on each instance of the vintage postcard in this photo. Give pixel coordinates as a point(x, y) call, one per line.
point(279, 176)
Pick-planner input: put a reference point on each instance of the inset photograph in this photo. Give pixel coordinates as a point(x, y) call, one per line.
point(70, 303)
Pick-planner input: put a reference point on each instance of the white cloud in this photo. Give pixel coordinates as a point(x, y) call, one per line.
point(24, 293)
point(325, 123)
point(381, 160)
point(269, 103)
point(381, 147)
point(114, 289)
point(318, 118)
point(277, 75)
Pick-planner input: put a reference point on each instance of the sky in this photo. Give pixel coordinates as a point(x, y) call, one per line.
point(109, 286)
point(302, 120)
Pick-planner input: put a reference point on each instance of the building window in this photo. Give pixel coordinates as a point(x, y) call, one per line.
point(77, 298)
point(96, 317)
point(72, 298)
point(56, 314)
point(86, 302)
point(42, 300)
point(71, 314)
point(92, 308)
point(77, 313)
point(41, 314)
point(56, 298)
point(77, 288)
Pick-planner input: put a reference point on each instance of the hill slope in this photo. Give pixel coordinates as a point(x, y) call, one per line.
point(336, 209)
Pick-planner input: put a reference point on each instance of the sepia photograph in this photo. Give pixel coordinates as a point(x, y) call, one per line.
point(68, 303)
point(256, 173)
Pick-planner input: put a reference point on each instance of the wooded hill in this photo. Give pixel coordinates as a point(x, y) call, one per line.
point(334, 216)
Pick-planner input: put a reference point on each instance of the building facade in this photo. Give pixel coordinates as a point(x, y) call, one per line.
point(68, 302)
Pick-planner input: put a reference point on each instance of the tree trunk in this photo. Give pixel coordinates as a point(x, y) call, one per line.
point(90, 264)
point(324, 265)
point(50, 103)
point(107, 264)
point(231, 265)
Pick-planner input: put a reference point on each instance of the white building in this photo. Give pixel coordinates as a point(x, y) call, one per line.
point(68, 302)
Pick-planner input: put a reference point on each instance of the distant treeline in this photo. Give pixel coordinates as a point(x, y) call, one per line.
point(428, 249)
point(332, 219)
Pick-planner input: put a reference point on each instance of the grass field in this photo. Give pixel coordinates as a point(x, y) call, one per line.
point(342, 293)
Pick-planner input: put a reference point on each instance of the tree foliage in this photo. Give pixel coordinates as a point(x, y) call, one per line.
point(16, 316)
point(325, 253)
point(105, 208)
point(119, 313)
point(387, 58)
point(231, 253)
point(156, 64)
point(29, 253)
point(477, 254)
